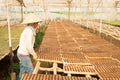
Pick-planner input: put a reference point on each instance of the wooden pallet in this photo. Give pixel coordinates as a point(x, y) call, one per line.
point(52, 77)
point(108, 69)
point(79, 69)
point(109, 76)
point(76, 78)
point(101, 54)
point(55, 58)
point(74, 58)
point(40, 77)
point(104, 62)
point(54, 68)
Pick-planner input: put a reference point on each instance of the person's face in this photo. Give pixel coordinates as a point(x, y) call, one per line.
point(36, 26)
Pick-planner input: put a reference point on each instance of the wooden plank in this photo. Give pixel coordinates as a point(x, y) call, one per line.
point(36, 68)
point(48, 60)
point(55, 68)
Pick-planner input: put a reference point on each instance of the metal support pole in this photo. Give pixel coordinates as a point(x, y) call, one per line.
point(12, 74)
point(44, 8)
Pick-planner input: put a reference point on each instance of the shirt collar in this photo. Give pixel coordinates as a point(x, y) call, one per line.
point(33, 29)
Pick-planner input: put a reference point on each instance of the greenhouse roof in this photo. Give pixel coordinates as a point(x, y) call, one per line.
point(62, 3)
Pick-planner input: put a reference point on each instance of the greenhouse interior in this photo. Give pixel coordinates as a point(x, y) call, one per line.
point(76, 40)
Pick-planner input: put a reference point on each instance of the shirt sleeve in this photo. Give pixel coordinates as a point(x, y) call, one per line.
point(30, 42)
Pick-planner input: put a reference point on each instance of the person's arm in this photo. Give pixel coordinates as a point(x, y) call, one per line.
point(30, 43)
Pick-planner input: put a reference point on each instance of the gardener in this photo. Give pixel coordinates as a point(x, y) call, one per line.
point(26, 44)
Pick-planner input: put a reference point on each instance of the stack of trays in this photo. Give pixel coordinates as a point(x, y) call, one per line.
point(79, 69)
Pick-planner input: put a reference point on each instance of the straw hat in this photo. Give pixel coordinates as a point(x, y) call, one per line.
point(31, 18)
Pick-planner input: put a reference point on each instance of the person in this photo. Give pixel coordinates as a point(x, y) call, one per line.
point(26, 44)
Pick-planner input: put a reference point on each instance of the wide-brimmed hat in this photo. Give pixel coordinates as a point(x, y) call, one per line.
point(31, 18)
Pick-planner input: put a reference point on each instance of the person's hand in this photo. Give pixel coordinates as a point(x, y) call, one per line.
point(35, 57)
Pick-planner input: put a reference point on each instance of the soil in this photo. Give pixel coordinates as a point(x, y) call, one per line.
point(5, 67)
